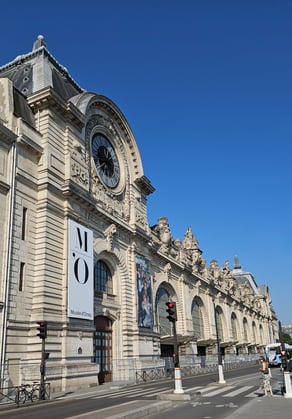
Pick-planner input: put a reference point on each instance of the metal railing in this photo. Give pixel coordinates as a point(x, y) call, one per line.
point(193, 365)
point(24, 393)
point(152, 374)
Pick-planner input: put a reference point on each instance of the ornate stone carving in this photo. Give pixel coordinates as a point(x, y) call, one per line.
point(189, 242)
point(141, 219)
point(163, 231)
point(228, 281)
point(214, 271)
point(79, 174)
point(167, 270)
point(78, 151)
point(178, 252)
point(191, 248)
point(225, 271)
point(203, 268)
point(110, 233)
point(244, 292)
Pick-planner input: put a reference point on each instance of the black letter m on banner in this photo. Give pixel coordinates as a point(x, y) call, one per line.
point(82, 244)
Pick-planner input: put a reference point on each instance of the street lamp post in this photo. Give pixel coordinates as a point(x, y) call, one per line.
point(220, 366)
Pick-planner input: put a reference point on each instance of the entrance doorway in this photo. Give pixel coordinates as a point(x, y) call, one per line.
point(103, 348)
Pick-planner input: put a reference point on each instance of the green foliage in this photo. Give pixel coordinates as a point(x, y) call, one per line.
point(287, 338)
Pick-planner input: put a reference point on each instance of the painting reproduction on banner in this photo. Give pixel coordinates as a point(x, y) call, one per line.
point(144, 284)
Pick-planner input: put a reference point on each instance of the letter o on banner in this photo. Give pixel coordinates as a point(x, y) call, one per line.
point(81, 271)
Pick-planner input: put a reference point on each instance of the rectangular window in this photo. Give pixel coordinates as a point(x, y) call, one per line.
point(23, 225)
point(21, 277)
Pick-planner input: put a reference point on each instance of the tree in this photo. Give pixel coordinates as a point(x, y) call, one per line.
point(287, 338)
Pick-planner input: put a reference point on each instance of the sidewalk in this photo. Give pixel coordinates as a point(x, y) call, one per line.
point(264, 408)
point(267, 407)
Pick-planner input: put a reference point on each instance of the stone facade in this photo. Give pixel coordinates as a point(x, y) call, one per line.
point(50, 175)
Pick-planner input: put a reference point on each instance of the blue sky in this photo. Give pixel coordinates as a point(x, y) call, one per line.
point(206, 87)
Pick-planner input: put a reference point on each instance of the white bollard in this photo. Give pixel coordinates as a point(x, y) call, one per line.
point(221, 375)
point(287, 382)
point(177, 381)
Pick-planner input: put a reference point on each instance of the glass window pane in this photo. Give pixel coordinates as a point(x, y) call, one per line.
point(102, 278)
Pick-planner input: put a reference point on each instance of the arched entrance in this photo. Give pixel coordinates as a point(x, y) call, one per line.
point(103, 348)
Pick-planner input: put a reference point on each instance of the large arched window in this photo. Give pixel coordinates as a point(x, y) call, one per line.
point(261, 334)
point(164, 324)
point(254, 332)
point(218, 319)
point(197, 320)
point(233, 326)
point(102, 278)
point(245, 332)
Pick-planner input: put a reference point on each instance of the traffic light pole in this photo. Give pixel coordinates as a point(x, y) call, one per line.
point(175, 345)
point(43, 372)
point(220, 366)
point(172, 317)
point(177, 370)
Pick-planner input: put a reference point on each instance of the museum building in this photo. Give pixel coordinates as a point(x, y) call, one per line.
point(77, 250)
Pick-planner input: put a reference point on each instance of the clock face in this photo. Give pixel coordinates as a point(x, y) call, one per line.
point(105, 160)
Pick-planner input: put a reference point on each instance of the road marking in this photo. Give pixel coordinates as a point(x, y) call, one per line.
point(218, 391)
point(238, 391)
point(159, 392)
point(206, 389)
point(150, 393)
point(127, 394)
point(133, 392)
point(230, 405)
point(192, 388)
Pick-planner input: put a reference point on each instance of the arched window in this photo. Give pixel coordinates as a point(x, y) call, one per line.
point(164, 324)
point(218, 319)
point(197, 320)
point(261, 334)
point(233, 326)
point(102, 278)
point(254, 333)
point(245, 330)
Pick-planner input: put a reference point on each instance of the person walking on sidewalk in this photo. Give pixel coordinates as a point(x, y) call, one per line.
point(266, 379)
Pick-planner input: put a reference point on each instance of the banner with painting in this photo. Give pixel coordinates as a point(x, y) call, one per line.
point(144, 287)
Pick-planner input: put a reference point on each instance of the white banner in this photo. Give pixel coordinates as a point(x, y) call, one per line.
point(80, 281)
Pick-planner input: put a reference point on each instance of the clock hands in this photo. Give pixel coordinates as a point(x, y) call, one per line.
point(105, 161)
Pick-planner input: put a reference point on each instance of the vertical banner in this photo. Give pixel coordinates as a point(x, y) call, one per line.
point(80, 281)
point(144, 287)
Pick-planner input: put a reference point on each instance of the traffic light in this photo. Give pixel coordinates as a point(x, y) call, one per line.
point(171, 310)
point(42, 330)
point(284, 361)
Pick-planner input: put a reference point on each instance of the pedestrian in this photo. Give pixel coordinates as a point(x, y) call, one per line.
point(289, 362)
point(266, 379)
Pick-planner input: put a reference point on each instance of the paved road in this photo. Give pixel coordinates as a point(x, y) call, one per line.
point(241, 385)
point(221, 401)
